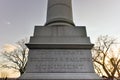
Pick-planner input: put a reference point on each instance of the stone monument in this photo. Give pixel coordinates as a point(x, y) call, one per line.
point(60, 50)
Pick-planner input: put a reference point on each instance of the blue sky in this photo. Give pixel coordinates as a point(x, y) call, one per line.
point(18, 18)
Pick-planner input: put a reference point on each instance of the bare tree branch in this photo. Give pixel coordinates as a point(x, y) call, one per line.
point(18, 57)
point(109, 64)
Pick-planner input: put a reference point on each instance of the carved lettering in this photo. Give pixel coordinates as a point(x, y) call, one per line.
point(59, 60)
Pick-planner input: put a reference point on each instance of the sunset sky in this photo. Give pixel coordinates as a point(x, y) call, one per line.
point(18, 18)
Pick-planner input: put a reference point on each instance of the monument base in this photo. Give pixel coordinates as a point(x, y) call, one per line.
point(60, 53)
point(60, 76)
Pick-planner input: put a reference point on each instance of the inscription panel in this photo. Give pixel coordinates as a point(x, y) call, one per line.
point(59, 61)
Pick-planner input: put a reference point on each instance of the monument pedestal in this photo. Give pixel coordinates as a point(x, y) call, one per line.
point(59, 55)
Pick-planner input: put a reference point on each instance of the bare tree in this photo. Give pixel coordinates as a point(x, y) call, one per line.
point(17, 59)
point(105, 61)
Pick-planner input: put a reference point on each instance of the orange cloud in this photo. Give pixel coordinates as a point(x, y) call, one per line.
point(9, 47)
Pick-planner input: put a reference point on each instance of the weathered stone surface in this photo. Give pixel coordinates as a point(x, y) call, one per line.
point(60, 61)
point(61, 76)
point(59, 12)
point(59, 50)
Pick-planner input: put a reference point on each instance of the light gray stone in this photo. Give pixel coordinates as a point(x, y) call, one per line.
point(61, 76)
point(60, 61)
point(59, 50)
point(59, 12)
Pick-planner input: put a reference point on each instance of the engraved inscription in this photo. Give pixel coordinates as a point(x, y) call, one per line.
point(60, 60)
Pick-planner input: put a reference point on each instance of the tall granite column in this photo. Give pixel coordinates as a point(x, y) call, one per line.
point(59, 12)
point(60, 50)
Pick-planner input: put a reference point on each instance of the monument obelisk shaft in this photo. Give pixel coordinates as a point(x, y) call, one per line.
point(59, 11)
point(59, 50)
